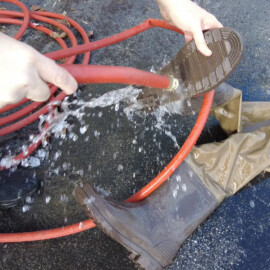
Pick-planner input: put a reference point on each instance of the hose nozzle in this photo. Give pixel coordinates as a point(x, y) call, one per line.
point(174, 84)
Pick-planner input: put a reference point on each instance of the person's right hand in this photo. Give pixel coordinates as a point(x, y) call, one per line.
point(191, 19)
point(24, 73)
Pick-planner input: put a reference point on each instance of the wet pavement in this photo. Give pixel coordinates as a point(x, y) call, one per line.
point(120, 156)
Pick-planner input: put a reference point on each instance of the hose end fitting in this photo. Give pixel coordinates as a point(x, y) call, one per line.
point(174, 84)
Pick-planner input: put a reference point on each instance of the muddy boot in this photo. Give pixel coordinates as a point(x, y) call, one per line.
point(195, 73)
point(153, 229)
point(187, 106)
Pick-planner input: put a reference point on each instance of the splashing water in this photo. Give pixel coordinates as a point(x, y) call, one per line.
point(60, 128)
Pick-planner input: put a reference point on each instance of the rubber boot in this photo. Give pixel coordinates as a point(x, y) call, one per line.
point(187, 106)
point(196, 73)
point(153, 229)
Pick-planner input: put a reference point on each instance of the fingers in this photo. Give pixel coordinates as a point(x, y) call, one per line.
point(200, 42)
point(50, 72)
point(208, 22)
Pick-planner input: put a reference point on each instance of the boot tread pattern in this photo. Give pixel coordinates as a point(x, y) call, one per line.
point(200, 73)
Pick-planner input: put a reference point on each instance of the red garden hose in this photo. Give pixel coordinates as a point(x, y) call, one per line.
point(87, 74)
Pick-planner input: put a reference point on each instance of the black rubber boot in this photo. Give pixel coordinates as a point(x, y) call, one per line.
point(153, 229)
point(16, 186)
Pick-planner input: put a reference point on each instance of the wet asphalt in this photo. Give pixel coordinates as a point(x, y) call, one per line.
point(235, 236)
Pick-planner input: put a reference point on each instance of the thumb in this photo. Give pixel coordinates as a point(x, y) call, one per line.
point(50, 72)
point(200, 42)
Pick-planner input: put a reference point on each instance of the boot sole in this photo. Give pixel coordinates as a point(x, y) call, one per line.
point(95, 208)
point(198, 74)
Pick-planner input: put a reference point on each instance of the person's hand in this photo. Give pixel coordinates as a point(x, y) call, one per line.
point(190, 18)
point(24, 73)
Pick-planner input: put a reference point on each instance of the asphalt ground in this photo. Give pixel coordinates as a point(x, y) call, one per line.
point(235, 236)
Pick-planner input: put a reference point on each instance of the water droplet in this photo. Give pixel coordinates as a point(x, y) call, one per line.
point(75, 138)
point(28, 199)
point(120, 168)
point(57, 154)
point(84, 129)
point(34, 162)
point(25, 208)
point(96, 133)
point(89, 200)
point(41, 154)
point(64, 198)
point(25, 150)
point(47, 199)
point(184, 187)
